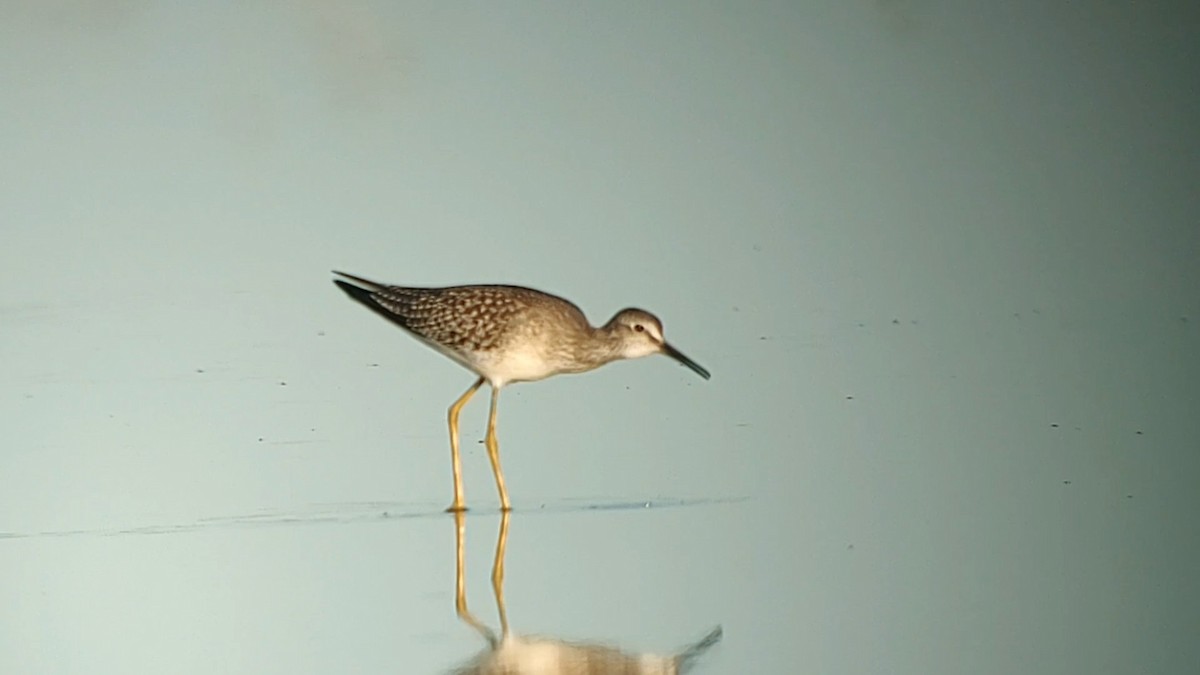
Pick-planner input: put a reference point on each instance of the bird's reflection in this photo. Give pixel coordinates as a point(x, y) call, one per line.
point(512, 654)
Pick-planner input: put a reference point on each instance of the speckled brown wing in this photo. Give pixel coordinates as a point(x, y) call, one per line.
point(462, 318)
point(469, 320)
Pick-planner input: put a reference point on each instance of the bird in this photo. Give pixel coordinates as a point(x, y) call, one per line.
point(507, 334)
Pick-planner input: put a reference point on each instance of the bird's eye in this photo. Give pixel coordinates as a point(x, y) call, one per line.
point(639, 327)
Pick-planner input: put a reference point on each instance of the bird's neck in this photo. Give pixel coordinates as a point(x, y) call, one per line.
point(603, 347)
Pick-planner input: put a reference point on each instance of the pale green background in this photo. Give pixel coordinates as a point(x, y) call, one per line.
point(942, 258)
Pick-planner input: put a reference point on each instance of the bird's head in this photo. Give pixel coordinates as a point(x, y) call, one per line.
point(639, 333)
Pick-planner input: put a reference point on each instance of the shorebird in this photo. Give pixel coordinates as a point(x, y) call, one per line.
point(507, 334)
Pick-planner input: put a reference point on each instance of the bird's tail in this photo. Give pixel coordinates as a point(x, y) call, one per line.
point(366, 283)
point(685, 661)
point(365, 295)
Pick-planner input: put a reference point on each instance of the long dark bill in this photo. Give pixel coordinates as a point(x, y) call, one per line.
point(680, 357)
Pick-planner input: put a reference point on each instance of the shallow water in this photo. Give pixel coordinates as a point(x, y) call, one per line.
point(940, 261)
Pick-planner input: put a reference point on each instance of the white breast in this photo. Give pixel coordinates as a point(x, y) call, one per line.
point(516, 364)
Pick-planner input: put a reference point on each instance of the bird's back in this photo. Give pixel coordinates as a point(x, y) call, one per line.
point(479, 325)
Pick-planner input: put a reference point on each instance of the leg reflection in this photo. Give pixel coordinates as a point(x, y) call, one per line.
point(514, 654)
point(460, 584)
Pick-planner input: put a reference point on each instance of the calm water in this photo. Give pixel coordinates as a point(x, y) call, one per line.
point(941, 262)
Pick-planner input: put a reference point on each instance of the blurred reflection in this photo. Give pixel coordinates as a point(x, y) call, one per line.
point(512, 654)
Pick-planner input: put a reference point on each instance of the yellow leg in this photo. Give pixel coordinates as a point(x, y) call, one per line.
point(459, 504)
point(493, 448)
